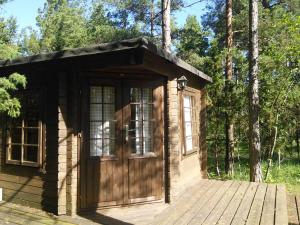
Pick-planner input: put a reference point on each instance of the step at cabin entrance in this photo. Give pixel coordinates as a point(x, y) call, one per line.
point(122, 142)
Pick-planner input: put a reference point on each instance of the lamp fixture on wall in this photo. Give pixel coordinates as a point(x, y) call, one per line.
point(181, 82)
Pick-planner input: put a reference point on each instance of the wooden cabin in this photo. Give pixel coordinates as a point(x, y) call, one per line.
point(108, 125)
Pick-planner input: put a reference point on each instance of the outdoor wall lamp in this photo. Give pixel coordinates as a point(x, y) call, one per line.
point(181, 82)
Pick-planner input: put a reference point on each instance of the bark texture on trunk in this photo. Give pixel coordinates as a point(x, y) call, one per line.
point(229, 154)
point(254, 130)
point(166, 25)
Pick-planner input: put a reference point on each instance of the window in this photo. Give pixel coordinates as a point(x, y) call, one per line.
point(187, 117)
point(102, 121)
point(24, 134)
point(141, 124)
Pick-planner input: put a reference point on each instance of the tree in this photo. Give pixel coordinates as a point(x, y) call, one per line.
point(229, 155)
point(254, 130)
point(9, 104)
point(166, 25)
point(62, 25)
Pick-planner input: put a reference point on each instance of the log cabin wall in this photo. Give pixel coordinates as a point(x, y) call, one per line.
point(184, 168)
point(68, 159)
point(35, 186)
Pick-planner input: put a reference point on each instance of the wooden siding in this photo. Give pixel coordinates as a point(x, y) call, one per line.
point(184, 168)
point(35, 187)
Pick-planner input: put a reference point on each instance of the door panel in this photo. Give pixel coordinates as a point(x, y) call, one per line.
point(122, 152)
point(144, 113)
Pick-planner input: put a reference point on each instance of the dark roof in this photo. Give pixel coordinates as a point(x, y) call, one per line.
point(104, 48)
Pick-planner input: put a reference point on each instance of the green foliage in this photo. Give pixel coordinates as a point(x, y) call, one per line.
point(9, 104)
point(61, 25)
point(278, 72)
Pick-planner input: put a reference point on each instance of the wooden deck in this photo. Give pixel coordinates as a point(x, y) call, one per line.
point(208, 202)
point(230, 202)
point(293, 202)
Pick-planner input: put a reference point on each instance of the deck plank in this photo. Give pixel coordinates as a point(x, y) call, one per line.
point(241, 215)
point(281, 215)
point(217, 212)
point(268, 211)
point(183, 204)
point(202, 213)
point(188, 215)
point(257, 205)
point(232, 208)
point(292, 210)
point(298, 206)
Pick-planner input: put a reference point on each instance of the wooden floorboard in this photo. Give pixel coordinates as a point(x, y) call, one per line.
point(201, 215)
point(189, 214)
point(257, 205)
point(281, 214)
point(206, 202)
point(293, 209)
point(220, 207)
point(241, 215)
point(268, 212)
point(184, 204)
point(232, 208)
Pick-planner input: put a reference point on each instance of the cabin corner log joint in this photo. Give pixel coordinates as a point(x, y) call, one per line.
point(113, 128)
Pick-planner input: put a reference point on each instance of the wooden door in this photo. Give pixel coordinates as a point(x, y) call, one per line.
point(143, 148)
point(122, 152)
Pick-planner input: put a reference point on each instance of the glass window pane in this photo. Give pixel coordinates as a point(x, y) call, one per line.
point(188, 129)
point(109, 147)
point(31, 136)
point(136, 145)
point(136, 112)
point(109, 112)
point(147, 95)
point(95, 130)
point(16, 135)
point(187, 115)
point(109, 94)
point(109, 129)
point(135, 129)
point(15, 152)
point(96, 112)
point(147, 111)
point(96, 147)
point(95, 94)
point(148, 147)
point(187, 102)
point(30, 153)
point(189, 143)
point(147, 129)
point(135, 94)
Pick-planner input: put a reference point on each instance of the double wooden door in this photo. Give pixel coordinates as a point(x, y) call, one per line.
point(122, 148)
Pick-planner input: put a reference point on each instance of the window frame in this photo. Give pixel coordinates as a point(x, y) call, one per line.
point(190, 93)
point(151, 120)
point(111, 155)
point(41, 134)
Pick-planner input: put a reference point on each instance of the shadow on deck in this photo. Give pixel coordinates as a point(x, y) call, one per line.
point(208, 202)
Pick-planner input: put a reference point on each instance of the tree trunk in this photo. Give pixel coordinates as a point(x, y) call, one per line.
point(229, 154)
point(254, 131)
point(166, 25)
point(152, 19)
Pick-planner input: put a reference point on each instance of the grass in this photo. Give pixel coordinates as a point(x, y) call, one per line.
point(288, 173)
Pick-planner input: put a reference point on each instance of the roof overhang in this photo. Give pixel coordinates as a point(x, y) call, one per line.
point(122, 53)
